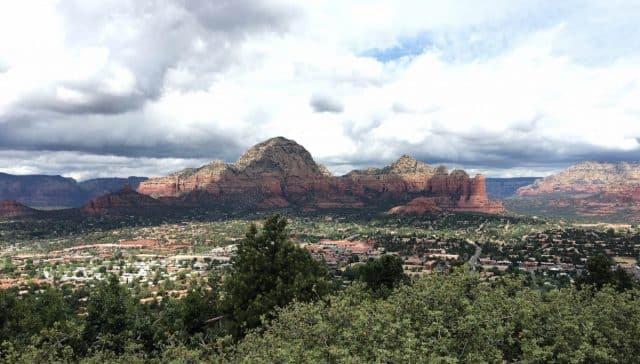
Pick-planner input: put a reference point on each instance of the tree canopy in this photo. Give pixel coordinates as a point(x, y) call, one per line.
point(268, 272)
point(380, 275)
point(598, 273)
point(457, 317)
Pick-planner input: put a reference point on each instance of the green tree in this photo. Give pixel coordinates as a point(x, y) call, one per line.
point(268, 272)
point(110, 316)
point(451, 318)
point(382, 275)
point(198, 306)
point(622, 280)
point(598, 272)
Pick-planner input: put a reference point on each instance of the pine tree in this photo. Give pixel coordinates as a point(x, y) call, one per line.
point(269, 272)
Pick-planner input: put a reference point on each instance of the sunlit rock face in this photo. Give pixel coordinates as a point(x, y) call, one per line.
point(281, 173)
point(589, 178)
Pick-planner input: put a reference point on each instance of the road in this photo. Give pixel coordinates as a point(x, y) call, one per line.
point(474, 258)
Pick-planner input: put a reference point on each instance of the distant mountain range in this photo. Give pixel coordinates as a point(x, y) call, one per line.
point(501, 188)
point(587, 189)
point(42, 191)
point(280, 173)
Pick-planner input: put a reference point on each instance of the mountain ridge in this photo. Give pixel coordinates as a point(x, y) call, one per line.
point(47, 191)
point(587, 189)
point(279, 172)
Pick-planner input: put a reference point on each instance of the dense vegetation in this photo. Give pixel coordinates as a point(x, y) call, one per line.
point(277, 304)
point(450, 318)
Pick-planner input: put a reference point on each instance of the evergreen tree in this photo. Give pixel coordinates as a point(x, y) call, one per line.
point(382, 275)
point(110, 316)
point(269, 272)
point(598, 274)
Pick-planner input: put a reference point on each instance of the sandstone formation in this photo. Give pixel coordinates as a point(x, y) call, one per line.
point(125, 201)
point(281, 173)
point(11, 209)
point(588, 178)
point(588, 189)
point(57, 191)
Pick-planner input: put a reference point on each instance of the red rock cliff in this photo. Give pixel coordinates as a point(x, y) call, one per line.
point(279, 173)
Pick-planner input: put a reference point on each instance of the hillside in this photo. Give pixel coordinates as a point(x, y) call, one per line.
point(11, 209)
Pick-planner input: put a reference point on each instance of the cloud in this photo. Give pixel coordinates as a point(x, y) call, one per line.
point(110, 58)
point(325, 103)
point(82, 166)
point(502, 87)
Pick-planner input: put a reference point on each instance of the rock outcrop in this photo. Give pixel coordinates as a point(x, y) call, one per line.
point(122, 202)
point(588, 178)
point(587, 189)
point(281, 173)
point(10, 209)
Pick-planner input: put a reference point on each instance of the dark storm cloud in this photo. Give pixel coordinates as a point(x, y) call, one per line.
point(83, 166)
point(520, 146)
point(325, 103)
point(514, 149)
point(135, 47)
point(130, 135)
point(95, 102)
point(239, 16)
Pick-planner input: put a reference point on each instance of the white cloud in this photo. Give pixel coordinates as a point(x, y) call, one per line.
point(504, 87)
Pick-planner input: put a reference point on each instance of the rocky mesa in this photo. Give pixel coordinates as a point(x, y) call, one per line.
point(588, 178)
point(281, 173)
point(588, 189)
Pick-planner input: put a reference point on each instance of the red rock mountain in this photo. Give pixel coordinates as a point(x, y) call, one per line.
point(589, 189)
point(281, 173)
point(11, 209)
point(588, 178)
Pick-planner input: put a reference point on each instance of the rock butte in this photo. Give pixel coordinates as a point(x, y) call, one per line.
point(281, 173)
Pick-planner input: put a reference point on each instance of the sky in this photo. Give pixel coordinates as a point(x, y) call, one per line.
point(94, 88)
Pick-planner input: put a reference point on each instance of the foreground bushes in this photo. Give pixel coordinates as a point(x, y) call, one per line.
point(455, 318)
point(443, 318)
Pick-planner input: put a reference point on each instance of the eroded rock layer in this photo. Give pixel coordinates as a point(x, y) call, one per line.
point(589, 189)
point(281, 173)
